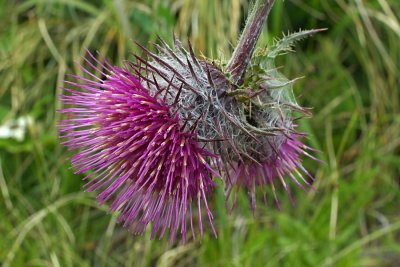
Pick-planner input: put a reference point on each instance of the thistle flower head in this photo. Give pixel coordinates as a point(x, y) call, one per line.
point(142, 157)
point(285, 162)
point(267, 149)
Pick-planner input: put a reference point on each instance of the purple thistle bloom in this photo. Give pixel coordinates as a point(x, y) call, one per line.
point(285, 162)
point(146, 164)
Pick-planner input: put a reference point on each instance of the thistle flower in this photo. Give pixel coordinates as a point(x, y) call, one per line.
point(267, 149)
point(141, 157)
point(285, 162)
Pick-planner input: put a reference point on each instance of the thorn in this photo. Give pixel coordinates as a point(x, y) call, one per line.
point(209, 77)
point(147, 80)
point(257, 93)
point(251, 158)
point(274, 149)
point(319, 30)
point(155, 82)
point(185, 123)
point(235, 150)
point(191, 70)
point(178, 43)
point(199, 139)
point(305, 111)
point(196, 62)
point(168, 87)
point(194, 126)
point(175, 112)
point(177, 95)
point(298, 118)
point(287, 136)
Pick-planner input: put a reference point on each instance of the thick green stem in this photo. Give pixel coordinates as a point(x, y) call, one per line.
point(247, 43)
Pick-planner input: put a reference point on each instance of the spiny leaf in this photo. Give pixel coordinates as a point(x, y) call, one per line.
point(286, 43)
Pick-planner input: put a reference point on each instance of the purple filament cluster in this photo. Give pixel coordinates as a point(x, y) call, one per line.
point(140, 157)
point(286, 162)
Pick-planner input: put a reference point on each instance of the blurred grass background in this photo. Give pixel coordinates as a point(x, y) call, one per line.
point(352, 82)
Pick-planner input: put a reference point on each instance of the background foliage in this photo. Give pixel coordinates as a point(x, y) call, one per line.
point(352, 83)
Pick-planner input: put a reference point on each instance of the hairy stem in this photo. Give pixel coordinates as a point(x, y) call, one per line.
point(244, 50)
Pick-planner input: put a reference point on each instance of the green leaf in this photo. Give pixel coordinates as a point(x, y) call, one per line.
point(286, 43)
